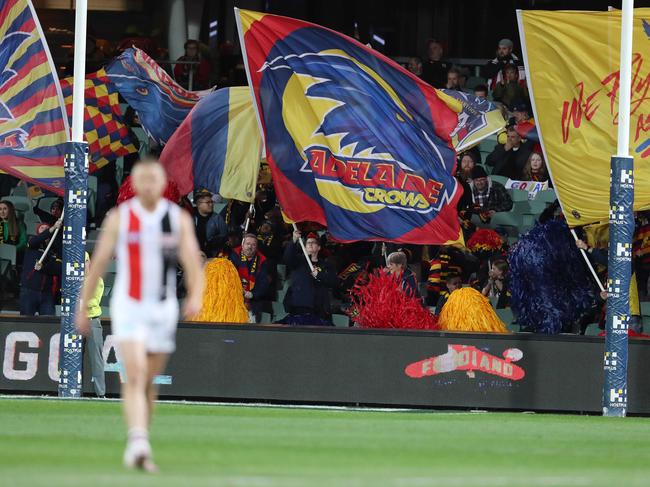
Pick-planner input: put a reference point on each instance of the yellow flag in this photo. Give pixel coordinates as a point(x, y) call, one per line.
point(572, 62)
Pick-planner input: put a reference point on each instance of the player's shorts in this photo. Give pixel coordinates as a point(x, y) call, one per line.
point(152, 323)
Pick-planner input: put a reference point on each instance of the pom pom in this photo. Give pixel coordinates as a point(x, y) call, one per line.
point(484, 240)
point(549, 281)
point(126, 191)
point(467, 309)
point(223, 300)
point(379, 301)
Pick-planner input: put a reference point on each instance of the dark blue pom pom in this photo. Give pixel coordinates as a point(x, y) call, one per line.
point(550, 283)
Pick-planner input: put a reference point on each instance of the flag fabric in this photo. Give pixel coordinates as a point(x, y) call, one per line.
point(161, 104)
point(528, 130)
point(478, 118)
point(575, 101)
point(33, 125)
point(217, 147)
point(104, 128)
point(354, 141)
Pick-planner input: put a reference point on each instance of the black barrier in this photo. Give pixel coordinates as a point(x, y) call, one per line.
point(351, 366)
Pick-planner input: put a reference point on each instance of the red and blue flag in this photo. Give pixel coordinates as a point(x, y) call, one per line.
point(217, 147)
point(160, 102)
point(33, 123)
point(354, 141)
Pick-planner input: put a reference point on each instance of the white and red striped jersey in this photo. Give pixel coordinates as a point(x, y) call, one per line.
point(146, 252)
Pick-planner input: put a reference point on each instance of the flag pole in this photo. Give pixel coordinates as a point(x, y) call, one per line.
point(74, 223)
point(304, 249)
point(39, 263)
point(621, 231)
point(591, 267)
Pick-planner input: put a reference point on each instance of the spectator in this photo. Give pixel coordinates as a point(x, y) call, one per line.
point(39, 283)
point(396, 265)
point(453, 79)
point(233, 240)
point(494, 68)
point(269, 243)
point(7, 183)
point(496, 286)
point(466, 166)
point(453, 282)
point(488, 197)
point(200, 72)
point(95, 340)
point(481, 91)
point(434, 69)
point(253, 272)
point(600, 257)
point(107, 189)
point(234, 214)
point(443, 264)
point(463, 76)
point(509, 90)
point(521, 112)
point(414, 65)
point(509, 159)
point(264, 202)
point(308, 297)
point(13, 231)
point(49, 217)
point(535, 169)
point(211, 230)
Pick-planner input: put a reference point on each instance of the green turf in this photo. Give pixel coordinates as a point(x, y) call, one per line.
point(79, 443)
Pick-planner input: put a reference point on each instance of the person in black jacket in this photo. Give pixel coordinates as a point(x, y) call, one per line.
point(49, 217)
point(510, 159)
point(434, 68)
point(39, 283)
point(308, 297)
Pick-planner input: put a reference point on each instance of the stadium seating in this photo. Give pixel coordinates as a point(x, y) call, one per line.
point(341, 320)
point(499, 179)
point(645, 308)
point(8, 253)
point(488, 145)
point(21, 203)
point(278, 310)
point(45, 202)
point(20, 190)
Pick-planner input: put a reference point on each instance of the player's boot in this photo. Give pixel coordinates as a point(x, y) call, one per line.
point(146, 464)
point(138, 452)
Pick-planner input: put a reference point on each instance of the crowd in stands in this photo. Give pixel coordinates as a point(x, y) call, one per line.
point(303, 276)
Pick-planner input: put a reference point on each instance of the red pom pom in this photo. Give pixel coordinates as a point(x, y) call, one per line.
point(484, 239)
point(126, 191)
point(380, 302)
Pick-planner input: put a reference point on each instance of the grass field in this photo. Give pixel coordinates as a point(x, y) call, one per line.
point(79, 443)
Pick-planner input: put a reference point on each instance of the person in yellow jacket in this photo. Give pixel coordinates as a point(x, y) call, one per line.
point(95, 340)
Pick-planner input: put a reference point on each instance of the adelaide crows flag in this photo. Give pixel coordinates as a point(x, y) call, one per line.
point(33, 124)
point(354, 141)
point(104, 128)
point(161, 104)
point(217, 147)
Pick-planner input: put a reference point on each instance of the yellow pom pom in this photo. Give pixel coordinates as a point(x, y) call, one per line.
point(223, 300)
point(467, 309)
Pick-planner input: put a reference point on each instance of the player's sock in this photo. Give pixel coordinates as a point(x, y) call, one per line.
point(138, 449)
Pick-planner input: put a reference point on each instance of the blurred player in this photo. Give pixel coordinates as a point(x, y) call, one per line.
point(147, 234)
